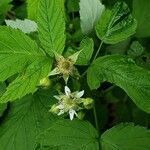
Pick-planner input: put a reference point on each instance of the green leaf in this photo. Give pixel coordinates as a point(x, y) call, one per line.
point(116, 25)
point(32, 8)
point(126, 137)
point(51, 25)
point(73, 6)
point(120, 48)
point(4, 7)
point(141, 13)
point(16, 48)
point(136, 49)
point(25, 120)
point(90, 12)
point(68, 134)
point(123, 72)
point(2, 106)
point(28, 81)
point(87, 47)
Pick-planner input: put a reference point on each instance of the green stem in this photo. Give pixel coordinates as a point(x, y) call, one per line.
point(95, 118)
point(100, 46)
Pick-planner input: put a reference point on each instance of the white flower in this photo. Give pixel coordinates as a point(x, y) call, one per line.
point(69, 103)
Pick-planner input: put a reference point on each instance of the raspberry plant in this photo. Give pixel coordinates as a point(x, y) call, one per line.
point(74, 75)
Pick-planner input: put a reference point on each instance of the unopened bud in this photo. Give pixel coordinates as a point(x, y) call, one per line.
point(71, 26)
point(88, 103)
point(45, 82)
point(54, 109)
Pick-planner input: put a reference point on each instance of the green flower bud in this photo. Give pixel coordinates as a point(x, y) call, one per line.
point(88, 103)
point(54, 109)
point(45, 83)
point(71, 26)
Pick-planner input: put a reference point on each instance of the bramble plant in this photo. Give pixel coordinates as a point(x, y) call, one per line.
point(74, 75)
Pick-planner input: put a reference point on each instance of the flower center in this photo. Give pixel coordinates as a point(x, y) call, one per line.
point(69, 103)
point(65, 66)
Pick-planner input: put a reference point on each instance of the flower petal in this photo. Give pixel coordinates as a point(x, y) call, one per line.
point(72, 113)
point(79, 94)
point(67, 91)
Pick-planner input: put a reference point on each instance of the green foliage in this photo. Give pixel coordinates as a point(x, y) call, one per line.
point(116, 24)
point(125, 137)
point(136, 49)
point(119, 48)
point(28, 81)
point(71, 135)
point(87, 47)
point(90, 12)
point(73, 6)
point(123, 72)
point(4, 7)
point(51, 26)
point(2, 109)
point(141, 13)
point(114, 83)
point(25, 120)
point(32, 9)
point(17, 48)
